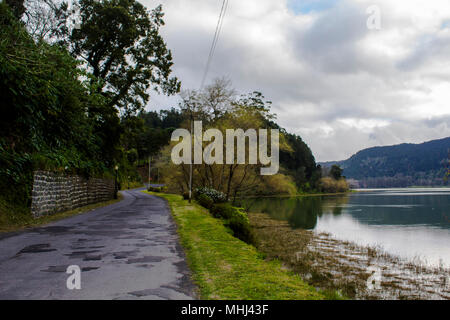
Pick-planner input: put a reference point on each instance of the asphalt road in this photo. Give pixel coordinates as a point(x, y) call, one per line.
point(128, 250)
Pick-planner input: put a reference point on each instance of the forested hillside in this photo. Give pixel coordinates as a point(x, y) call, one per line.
point(403, 165)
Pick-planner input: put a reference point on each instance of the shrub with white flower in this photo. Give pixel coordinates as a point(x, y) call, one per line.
point(216, 196)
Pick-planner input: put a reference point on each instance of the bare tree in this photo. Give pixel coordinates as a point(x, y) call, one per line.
point(47, 19)
point(211, 102)
point(218, 97)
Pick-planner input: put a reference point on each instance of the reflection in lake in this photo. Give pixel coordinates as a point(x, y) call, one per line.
point(411, 223)
point(300, 212)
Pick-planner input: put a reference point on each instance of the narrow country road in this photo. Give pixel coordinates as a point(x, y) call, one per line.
point(128, 250)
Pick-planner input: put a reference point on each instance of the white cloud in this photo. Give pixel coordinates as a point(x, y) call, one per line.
point(339, 85)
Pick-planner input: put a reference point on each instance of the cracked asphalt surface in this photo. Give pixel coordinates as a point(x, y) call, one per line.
point(128, 250)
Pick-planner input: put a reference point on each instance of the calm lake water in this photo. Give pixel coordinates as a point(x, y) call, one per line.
point(410, 223)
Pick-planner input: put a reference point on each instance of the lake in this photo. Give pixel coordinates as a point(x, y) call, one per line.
point(411, 223)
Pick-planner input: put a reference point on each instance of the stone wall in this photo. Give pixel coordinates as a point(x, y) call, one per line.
point(55, 192)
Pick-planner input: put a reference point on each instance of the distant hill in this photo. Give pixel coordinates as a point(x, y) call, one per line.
point(401, 165)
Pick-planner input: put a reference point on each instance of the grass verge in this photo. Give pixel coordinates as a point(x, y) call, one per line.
point(225, 267)
point(16, 218)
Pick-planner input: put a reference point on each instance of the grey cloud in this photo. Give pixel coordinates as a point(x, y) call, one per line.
point(330, 42)
point(429, 47)
point(317, 72)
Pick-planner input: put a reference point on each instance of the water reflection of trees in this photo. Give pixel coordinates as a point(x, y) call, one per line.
point(402, 209)
point(300, 212)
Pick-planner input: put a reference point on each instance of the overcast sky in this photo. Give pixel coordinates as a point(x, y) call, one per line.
point(339, 85)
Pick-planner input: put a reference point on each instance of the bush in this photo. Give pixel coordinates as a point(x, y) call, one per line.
point(223, 211)
point(205, 201)
point(156, 189)
point(241, 230)
point(277, 184)
point(216, 196)
point(186, 195)
point(331, 185)
point(235, 219)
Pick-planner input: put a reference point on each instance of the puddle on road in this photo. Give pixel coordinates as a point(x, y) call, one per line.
point(146, 259)
point(37, 248)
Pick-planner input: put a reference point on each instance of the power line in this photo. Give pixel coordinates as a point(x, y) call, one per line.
point(220, 26)
point(215, 40)
point(208, 63)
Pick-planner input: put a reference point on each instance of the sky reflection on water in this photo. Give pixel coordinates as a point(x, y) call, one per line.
point(411, 223)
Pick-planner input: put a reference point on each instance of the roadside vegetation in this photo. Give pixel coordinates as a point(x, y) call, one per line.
point(225, 267)
point(71, 91)
point(131, 185)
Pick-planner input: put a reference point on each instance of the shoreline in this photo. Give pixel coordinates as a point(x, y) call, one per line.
point(331, 264)
point(300, 195)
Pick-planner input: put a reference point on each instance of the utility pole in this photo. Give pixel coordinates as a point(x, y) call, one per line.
point(116, 185)
point(190, 169)
point(149, 168)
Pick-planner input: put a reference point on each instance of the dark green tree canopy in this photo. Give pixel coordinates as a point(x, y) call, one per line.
point(17, 7)
point(120, 42)
point(150, 131)
point(336, 172)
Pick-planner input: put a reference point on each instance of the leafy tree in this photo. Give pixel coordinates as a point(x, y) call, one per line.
point(148, 132)
point(336, 172)
point(119, 40)
point(171, 119)
point(50, 119)
point(299, 161)
point(219, 108)
point(165, 119)
point(60, 115)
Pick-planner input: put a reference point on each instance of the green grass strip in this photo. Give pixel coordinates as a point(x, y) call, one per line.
point(224, 267)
